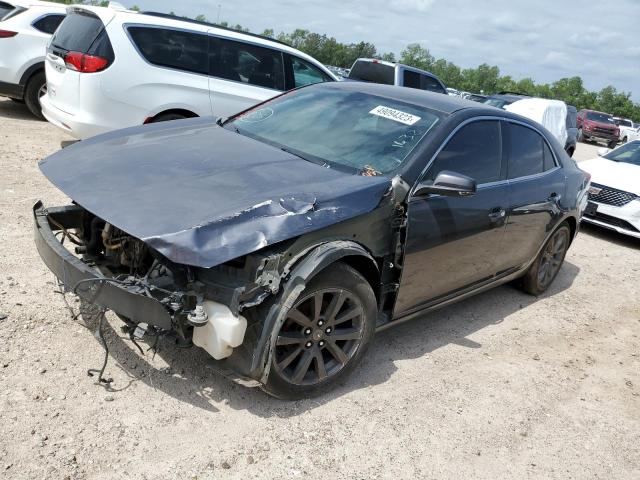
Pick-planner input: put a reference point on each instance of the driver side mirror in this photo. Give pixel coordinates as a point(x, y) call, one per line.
point(447, 183)
point(602, 151)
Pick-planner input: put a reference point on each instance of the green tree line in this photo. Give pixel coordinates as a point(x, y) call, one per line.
point(484, 78)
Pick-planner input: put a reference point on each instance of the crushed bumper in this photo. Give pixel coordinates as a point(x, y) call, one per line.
point(127, 300)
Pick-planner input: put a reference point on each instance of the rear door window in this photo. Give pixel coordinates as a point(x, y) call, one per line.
point(431, 84)
point(166, 47)
point(48, 23)
point(526, 153)
point(411, 79)
point(246, 63)
point(475, 150)
point(305, 74)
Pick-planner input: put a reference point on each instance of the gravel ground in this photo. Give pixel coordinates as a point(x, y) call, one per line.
point(502, 385)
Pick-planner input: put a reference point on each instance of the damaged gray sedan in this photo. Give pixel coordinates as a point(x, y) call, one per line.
point(281, 239)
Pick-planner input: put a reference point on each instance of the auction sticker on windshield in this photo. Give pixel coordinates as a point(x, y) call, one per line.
point(396, 115)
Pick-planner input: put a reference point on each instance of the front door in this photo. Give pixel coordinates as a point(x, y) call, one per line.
point(452, 242)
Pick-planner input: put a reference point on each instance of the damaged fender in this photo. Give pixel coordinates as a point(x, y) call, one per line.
point(304, 270)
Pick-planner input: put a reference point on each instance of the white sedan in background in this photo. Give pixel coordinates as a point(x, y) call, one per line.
point(614, 196)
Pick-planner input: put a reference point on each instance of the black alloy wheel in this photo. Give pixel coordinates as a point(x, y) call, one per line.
point(323, 335)
point(547, 265)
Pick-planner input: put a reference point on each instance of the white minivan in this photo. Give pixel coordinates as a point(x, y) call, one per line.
point(109, 68)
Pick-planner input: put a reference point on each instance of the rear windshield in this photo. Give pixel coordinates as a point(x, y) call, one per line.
point(4, 9)
point(600, 117)
point(373, 72)
point(78, 31)
point(495, 102)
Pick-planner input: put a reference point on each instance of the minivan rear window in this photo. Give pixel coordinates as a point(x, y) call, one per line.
point(373, 72)
point(77, 32)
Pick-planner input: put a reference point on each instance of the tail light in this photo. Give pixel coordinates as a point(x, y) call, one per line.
point(7, 34)
point(81, 62)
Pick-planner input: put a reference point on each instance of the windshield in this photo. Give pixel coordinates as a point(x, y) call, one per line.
point(365, 133)
point(621, 122)
point(600, 117)
point(628, 153)
point(495, 102)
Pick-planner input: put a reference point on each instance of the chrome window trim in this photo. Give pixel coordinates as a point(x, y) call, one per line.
point(498, 182)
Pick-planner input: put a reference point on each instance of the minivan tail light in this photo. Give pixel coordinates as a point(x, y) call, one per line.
point(81, 62)
point(7, 34)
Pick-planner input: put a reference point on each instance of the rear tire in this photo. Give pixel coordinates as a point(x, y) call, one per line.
point(580, 136)
point(624, 140)
point(548, 263)
point(309, 359)
point(32, 93)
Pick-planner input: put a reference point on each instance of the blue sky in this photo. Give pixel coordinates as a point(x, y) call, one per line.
point(542, 39)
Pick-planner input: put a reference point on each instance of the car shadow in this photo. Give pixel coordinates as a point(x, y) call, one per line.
point(183, 373)
point(15, 110)
point(610, 235)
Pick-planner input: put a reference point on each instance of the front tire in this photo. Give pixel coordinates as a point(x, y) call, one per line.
point(324, 336)
point(546, 266)
point(613, 144)
point(35, 87)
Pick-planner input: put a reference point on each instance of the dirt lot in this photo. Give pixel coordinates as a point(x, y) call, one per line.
point(502, 385)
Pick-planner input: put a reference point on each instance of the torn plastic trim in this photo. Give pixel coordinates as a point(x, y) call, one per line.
point(128, 299)
point(315, 260)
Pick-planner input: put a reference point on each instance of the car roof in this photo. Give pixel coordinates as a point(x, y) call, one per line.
point(446, 104)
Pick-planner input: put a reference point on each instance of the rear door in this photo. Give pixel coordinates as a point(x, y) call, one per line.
point(81, 31)
point(452, 242)
point(536, 187)
point(242, 74)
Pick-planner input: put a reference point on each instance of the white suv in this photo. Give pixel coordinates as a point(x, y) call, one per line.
point(112, 68)
point(25, 28)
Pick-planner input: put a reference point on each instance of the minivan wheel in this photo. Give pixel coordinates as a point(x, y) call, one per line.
point(36, 85)
point(324, 335)
point(547, 265)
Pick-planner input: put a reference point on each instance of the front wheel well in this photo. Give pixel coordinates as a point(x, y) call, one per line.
point(366, 268)
point(573, 226)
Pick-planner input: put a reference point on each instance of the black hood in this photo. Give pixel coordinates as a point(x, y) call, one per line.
point(202, 195)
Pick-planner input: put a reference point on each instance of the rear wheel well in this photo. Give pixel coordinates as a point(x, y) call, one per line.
point(173, 111)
